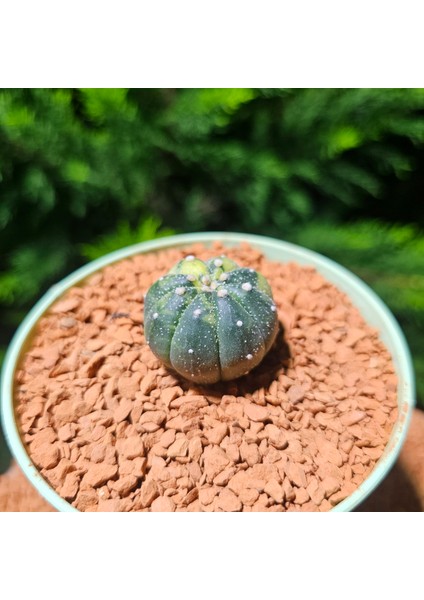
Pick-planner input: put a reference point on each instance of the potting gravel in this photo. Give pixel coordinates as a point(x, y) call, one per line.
point(112, 429)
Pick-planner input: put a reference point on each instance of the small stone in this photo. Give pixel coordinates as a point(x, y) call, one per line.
point(228, 502)
point(274, 490)
point(131, 447)
point(149, 491)
point(86, 499)
point(67, 305)
point(315, 492)
point(148, 383)
point(153, 416)
point(163, 504)
point(139, 466)
point(123, 410)
point(296, 474)
point(250, 453)
point(248, 496)
point(98, 453)
point(167, 438)
point(256, 413)
point(190, 497)
point(128, 387)
point(195, 448)
point(295, 394)
point(122, 334)
point(70, 487)
point(289, 492)
point(330, 485)
point(93, 393)
point(354, 335)
point(178, 448)
point(67, 322)
point(169, 394)
point(217, 434)
point(301, 496)
point(33, 409)
point(329, 453)
point(352, 417)
point(194, 471)
point(238, 482)
point(207, 494)
point(232, 451)
point(46, 456)
point(224, 477)
point(109, 505)
point(66, 432)
point(99, 474)
point(98, 432)
point(215, 461)
point(343, 493)
point(276, 437)
point(125, 485)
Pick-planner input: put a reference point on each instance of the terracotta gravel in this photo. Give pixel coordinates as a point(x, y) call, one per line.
point(111, 429)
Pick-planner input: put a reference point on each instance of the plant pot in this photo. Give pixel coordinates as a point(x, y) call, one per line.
point(372, 309)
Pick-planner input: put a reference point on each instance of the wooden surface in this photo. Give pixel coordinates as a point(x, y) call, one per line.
point(402, 490)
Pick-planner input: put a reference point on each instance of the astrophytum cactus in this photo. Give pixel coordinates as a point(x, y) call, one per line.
point(210, 321)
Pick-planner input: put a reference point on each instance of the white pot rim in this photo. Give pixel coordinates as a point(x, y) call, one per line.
point(360, 294)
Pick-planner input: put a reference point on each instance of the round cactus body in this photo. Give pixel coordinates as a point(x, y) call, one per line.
point(210, 321)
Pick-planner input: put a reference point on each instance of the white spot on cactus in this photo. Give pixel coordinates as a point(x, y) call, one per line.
point(190, 351)
point(190, 257)
point(239, 323)
point(217, 262)
point(246, 286)
point(197, 312)
point(155, 315)
point(190, 277)
point(223, 277)
point(214, 285)
point(273, 308)
point(180, 291)
point(222, 293)
point(206, 279)
point(249, 356)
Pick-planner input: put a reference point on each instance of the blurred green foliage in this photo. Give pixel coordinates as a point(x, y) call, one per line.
point(86, 171)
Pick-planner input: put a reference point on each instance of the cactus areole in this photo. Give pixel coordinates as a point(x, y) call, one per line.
point(210, 321)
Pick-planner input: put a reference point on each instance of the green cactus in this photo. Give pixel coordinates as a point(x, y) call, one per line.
point(210, 321)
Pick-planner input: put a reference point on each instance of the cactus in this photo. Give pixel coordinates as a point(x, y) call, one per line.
point(210, 321)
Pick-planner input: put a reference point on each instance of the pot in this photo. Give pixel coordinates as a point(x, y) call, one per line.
point(373, 310)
